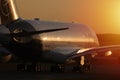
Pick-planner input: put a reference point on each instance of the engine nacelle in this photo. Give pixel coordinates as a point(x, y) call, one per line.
point(4, 38)
point(5, 55)
point(5, 58)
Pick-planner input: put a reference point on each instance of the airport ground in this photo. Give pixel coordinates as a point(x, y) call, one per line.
point(102, 69)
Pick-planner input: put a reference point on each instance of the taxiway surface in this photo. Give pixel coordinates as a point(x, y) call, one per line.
point(102, 70)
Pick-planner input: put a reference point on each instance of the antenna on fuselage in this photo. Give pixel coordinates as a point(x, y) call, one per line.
point(7, 11)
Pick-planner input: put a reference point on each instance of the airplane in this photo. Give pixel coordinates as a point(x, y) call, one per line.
point(30, 42)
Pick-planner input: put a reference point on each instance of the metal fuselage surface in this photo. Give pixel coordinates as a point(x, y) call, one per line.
point(78, 35)
point(37, 47)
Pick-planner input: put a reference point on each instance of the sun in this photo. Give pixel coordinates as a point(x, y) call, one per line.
point(114, 12)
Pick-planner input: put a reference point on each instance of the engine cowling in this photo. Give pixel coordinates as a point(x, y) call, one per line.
point(5, 58)
point(4, 37)
point(5, 55)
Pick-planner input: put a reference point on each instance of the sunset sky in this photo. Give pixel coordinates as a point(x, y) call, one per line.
point(102, 15)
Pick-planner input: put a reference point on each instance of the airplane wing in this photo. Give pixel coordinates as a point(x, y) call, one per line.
point(98, 50)
point(66, 50)
point(60, 54)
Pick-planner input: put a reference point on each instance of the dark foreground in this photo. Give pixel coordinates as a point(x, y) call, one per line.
point(102, 70)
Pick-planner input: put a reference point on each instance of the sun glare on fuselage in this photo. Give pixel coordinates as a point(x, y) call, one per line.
point(108, 53)
point(13, 9)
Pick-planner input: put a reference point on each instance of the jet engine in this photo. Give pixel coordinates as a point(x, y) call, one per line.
point(5, 58)
point(5, 36)
point(5, 55)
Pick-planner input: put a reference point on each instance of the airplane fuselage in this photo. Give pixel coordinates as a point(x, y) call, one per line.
point(39, 47)
point(30, 42)
point(24, 40)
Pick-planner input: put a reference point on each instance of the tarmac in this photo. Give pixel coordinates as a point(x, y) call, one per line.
point(102, 69)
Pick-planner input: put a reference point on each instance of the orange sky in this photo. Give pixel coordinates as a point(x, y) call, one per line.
point(102, 15)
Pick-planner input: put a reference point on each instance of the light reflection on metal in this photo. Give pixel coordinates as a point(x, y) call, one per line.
point(45, 38)
point(94, 54)
point(108, 53)
point(58, 39)
point(67, 39)
point(82, 60)
point(15, 16)
point(6, 58)
point(69, 61)
point(82, 50)
point(21, 39)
